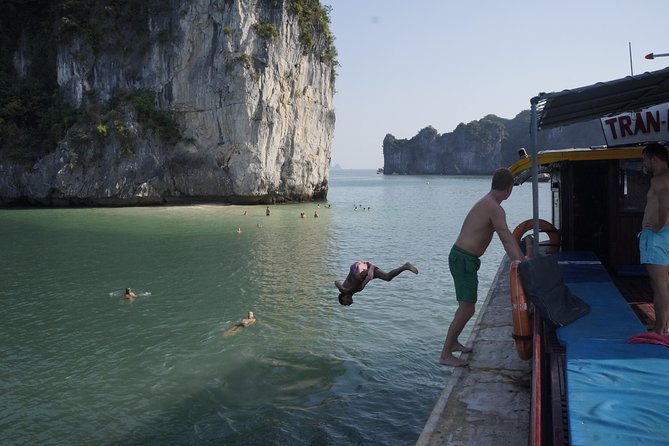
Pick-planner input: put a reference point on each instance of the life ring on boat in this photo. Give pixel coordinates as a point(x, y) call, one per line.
point(520, 312)
point(544, 226)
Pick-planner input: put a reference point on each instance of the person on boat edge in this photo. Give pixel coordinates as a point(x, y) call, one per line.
point(359, 276)
point(484, 219)
point(654, 236)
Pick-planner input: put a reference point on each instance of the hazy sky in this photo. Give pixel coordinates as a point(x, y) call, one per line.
point(409, 64)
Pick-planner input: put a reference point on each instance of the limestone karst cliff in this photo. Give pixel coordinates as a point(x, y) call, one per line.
point(177, 101)
point(479, 147)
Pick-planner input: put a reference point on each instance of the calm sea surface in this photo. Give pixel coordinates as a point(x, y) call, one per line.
point(81, 366)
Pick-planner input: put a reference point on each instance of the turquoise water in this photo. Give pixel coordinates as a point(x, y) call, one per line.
point(79, 365)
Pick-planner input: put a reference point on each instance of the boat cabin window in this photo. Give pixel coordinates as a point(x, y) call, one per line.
point(633, 185)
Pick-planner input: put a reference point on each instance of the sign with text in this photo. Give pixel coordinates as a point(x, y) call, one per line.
point(646, 125)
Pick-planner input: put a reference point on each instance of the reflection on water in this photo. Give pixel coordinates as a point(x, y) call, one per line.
point(80, 365)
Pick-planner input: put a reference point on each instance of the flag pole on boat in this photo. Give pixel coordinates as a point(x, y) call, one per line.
point(651, 56)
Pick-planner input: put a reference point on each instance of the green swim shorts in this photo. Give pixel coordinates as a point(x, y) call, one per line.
point(464, 268)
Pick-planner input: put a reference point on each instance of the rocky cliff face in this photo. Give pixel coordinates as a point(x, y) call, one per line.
point(196, 100)
point(479, 147)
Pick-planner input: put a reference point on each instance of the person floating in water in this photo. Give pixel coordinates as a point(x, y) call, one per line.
point(243, 323)
point(129, 294)
point(359, 276)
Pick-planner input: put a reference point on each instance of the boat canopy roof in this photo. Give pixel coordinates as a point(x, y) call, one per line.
point(585, 103)
point(601, 99)
point(547, 158)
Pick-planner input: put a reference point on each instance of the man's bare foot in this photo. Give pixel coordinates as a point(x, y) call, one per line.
point(411, 268)
point(452, 361)
point(461, 348)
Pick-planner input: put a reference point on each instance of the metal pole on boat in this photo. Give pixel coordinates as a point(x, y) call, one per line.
point(631, 66)
point(535, 174)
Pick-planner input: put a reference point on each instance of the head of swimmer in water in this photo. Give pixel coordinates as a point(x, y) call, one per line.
point(346, 299)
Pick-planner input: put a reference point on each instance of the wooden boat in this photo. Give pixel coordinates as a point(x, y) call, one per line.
point(589, 385)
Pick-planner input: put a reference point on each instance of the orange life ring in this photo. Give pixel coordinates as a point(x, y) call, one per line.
point(544, 226)
point(520, 312)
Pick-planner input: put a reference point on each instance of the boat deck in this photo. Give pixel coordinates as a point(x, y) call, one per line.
point(616, 392)
point(639, 295)
point(487, 402)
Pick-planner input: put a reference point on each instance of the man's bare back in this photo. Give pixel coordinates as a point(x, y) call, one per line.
point(484, 219)
point(477, 228)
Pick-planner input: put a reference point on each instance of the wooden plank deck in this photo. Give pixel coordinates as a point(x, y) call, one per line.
point(487, 402)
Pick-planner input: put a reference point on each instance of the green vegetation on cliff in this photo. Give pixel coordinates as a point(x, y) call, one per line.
point(33, 114)
point(33, 117)
point(315, 34)
point(266, 30)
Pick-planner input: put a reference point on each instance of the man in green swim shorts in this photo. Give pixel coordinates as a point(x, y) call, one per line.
point(484, 219)
point(464, 267)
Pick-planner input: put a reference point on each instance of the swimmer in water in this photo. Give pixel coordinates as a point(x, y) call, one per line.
point(129, 294)
point(250, 319)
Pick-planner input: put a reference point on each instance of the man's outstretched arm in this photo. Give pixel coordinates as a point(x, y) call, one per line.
point(506, 237)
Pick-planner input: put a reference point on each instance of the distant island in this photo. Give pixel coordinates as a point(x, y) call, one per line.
point(479, 147)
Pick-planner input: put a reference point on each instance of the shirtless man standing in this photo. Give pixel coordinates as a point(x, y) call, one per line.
point(654, 237)
point(484, 219)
